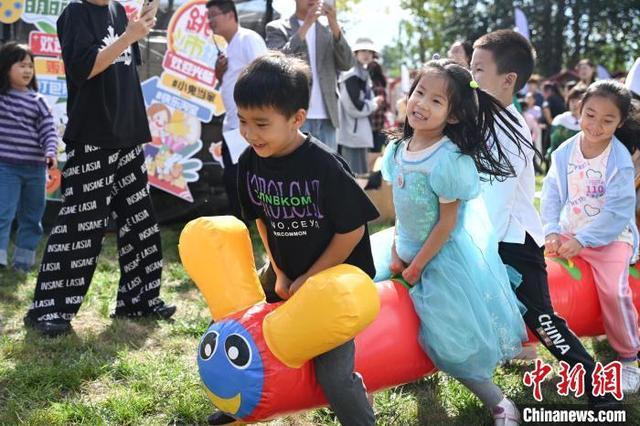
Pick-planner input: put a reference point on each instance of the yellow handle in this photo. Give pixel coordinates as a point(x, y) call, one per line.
point(216, 253)
point(330, 308)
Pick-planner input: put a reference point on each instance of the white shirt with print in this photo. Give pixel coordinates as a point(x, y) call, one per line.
point(587, 192)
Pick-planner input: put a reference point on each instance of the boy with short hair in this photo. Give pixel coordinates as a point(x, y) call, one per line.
point(310, 212)
point(501, 64)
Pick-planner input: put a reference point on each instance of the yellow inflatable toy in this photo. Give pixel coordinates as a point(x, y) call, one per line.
point(253, 359)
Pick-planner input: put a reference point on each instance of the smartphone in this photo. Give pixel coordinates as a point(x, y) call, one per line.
point(148, 5)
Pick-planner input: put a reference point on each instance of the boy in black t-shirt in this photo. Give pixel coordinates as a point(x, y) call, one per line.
point(310, 212)
point(105, 171)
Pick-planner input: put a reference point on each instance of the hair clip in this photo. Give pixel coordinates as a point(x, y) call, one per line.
point(473, 84)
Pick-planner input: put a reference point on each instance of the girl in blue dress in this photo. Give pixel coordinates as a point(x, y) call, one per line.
point(470, 318)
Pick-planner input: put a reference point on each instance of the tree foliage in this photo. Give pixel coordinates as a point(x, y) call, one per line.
point(345, 5)
point(562, 31)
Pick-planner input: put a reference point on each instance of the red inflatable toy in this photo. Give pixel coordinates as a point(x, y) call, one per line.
point(244, 363)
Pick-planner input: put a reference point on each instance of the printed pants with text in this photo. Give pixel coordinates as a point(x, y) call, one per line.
point(533, 292)
point(97, 182)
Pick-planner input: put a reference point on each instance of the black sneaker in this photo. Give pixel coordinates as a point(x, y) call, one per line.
point(220, 418)
point(48, 328)
point(164, 312)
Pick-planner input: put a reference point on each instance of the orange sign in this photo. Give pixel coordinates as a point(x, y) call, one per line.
point(49, 66)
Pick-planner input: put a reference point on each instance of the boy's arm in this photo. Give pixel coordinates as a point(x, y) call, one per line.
point(338, 250)
point(282, 281)
point(438, 236)
point(136, 29)
point(262, 230)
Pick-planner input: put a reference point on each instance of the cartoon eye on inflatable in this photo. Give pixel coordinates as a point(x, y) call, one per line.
point(238, 351)
point(209, 345)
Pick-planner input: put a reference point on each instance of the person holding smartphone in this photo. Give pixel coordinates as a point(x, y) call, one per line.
point(105, 172)
point(325, 49)
point(243, 46)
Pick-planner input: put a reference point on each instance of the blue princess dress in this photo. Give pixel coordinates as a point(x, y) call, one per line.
point(470, 318)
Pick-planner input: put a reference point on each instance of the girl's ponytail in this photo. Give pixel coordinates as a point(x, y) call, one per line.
point(496, 163)
point(476, 132)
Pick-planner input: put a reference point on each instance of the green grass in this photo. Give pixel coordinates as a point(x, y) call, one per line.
point(536, 200)
point(144, 373)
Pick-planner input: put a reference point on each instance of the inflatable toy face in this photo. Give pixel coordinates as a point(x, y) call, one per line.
point(231, 368)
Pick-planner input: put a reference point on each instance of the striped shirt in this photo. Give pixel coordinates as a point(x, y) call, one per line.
point(27, 133)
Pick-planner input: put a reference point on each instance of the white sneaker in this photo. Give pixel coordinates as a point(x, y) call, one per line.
point(630, 379)
point(508, 415)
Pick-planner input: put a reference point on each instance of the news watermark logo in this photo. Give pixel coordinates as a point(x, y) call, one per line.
point(604, 380)
point(559, 414)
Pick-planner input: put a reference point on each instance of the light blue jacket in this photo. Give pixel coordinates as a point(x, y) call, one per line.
point(620, 204)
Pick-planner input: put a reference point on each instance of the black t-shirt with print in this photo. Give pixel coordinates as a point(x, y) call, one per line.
point(107, 110)
point(304, 199)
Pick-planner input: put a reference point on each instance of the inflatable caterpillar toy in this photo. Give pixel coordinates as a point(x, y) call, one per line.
point(254, 359)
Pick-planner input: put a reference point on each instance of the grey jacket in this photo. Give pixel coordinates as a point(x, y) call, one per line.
point(355, 109)
point(332, 55)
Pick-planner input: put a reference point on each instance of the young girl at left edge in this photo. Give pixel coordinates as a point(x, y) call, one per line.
point(28, 144)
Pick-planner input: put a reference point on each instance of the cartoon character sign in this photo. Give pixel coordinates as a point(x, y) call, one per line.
point(159, 116)
point(175, 138)
point(192, 49)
